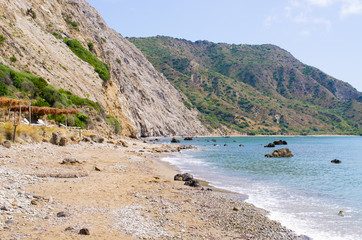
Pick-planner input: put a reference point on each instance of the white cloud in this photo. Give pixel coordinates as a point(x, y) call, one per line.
point(322, 3)
point(350, 7)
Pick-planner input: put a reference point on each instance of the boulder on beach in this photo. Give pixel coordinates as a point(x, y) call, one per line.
point(280, 142)
point(175, 140)
point(336, 161)
point(59, 139)
point(84, 231)
point(97, 138)
point(193, 183)
point(270, 145)
point(7, 144)
point(183, 177)
point(280, 153)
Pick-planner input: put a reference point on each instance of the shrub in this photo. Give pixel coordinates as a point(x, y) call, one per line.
point(101, 68)
point(114, 122)
point(90, 46)
point(13, 59)
point(2, 39)
point(74, 24)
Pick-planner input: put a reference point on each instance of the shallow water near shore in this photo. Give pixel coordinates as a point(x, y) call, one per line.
point(304, 193)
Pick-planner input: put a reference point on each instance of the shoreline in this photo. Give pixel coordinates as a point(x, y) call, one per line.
point(117, 193)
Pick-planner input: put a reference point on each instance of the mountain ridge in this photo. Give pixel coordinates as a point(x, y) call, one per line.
point(260, 79)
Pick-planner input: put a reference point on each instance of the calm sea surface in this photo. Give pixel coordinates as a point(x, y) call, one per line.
point(304, 193)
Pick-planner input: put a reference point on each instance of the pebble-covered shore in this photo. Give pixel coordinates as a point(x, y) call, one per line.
point(115, 192)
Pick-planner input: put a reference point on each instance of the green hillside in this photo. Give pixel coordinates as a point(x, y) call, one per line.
point(258, 89)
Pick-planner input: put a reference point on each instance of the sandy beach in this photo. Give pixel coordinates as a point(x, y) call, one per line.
point(116, 192)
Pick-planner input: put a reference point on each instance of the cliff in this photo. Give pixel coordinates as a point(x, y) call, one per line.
point(142, 100)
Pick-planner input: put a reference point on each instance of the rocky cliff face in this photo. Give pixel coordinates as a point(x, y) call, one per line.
point(137, 95)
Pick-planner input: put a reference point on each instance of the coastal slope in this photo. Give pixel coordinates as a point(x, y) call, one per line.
point(34, 35)
point(259, 89)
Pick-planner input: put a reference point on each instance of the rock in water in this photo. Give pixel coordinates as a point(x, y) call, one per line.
point(336, 161)
point(280, 142)
point(175, 140)
point(280, 153)
point(270, 145)
point(188, 138)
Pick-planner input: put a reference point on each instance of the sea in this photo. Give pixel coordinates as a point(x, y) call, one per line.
point(305, 193)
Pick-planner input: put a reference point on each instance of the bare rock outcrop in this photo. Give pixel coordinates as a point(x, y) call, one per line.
point(138, 96)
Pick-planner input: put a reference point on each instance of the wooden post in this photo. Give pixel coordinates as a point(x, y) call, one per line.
point(14, 132)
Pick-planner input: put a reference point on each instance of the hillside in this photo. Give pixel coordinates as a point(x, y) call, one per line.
point(68, 45)
point(259, 89)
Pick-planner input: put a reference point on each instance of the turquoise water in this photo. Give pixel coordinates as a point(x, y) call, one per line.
point(304, 193)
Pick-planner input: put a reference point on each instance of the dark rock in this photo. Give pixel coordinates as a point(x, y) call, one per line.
point(241, 145)
point(215, 145)
point(7, 144)
point(280, 153)
point(175, 140)
point(56, 136)
point(84, 231)
point(214, 140)
point(236, 209)
point(122, 143)
point(97, 169)
point(62, 214)
point(188, 138)
point(193, 183)
point(68, 229)
point(86, 139)
point(336, 161)
point(63, 141)
point(183, 177)
point(97, 138)
point(71, 161)
point(9, 221)
point(225, 145)
point(280, 142)
point(270, 145)
point(3, 208)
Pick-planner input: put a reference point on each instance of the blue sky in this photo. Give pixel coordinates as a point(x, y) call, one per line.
point(326, 34)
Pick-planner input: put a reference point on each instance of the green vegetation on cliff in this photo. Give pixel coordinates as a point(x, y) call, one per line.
point(27, 86)
point(259, 89)
point(101, 68)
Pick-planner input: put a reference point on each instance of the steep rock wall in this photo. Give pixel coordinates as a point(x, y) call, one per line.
point(142, 100)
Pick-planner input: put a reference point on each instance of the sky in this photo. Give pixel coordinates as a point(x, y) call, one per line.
point(326, 34)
